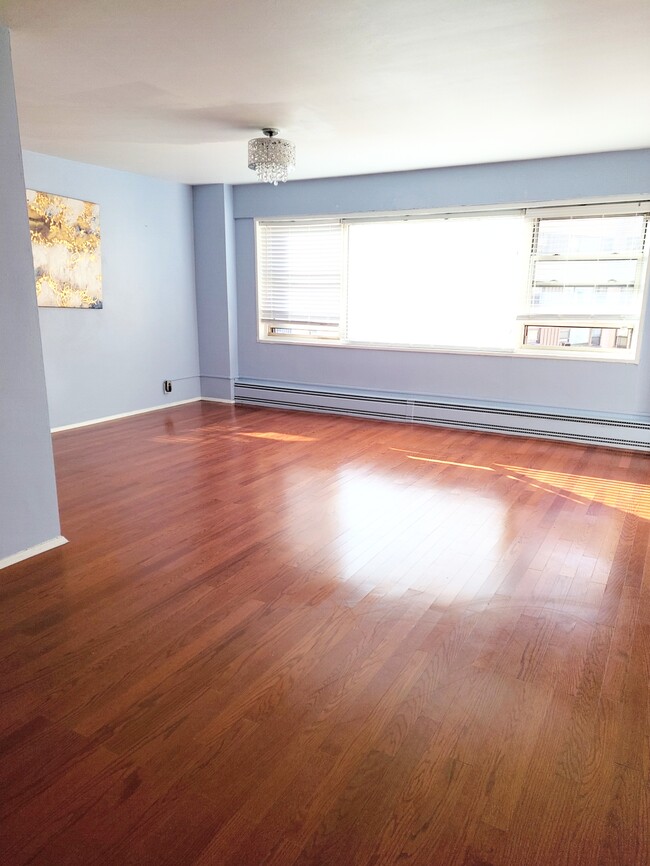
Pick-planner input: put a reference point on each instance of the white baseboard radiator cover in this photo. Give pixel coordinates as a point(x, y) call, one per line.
point(614, 432)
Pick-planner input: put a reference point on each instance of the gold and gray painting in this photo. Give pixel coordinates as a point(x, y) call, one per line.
point(66, 249)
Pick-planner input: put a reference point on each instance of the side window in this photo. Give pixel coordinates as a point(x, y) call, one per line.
point(299, 280)
point(586, 283)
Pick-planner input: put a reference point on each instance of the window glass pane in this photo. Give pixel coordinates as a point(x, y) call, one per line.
point(590, 236)
point(588, 273)
point(444, 282)
point(585, 300)
point(554, 337)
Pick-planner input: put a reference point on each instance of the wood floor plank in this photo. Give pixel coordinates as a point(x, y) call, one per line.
point(278, 638)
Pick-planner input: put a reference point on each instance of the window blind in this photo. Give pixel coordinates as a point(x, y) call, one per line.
point(587, 265)
point(300, 274)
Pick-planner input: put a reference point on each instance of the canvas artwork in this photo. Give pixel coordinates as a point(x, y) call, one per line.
point(66, 249)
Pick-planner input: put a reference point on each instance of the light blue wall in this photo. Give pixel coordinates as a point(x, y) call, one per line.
point(565, 177)
point(28, 504)
point(106, 362)
point(611, 388)
point(160, 274)
point(214, 248)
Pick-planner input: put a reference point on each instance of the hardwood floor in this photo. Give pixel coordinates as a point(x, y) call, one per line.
point(288, 639)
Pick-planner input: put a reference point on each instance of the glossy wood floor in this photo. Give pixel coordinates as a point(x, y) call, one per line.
point(279, 638)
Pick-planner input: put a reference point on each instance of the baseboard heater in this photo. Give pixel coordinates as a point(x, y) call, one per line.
point(627, 433)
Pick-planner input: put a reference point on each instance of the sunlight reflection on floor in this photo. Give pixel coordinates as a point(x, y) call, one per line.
point(626, 496)
point(205, 434)
point(423, 536)
point(623, 495)
point(278, 437)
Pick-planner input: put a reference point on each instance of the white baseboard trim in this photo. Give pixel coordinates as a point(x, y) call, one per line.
point(217, 400)
point(124, 415)
point(33, 551)
point(628, 432)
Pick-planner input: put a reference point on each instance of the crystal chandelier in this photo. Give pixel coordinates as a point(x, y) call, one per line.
point(272, 158)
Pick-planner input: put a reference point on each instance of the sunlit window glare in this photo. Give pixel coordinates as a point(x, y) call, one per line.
point(447, 282)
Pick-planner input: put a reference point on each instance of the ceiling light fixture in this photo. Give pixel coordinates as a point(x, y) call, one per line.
point(272, 158)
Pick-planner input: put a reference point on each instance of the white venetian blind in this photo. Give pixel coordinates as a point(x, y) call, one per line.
point(300, 274)
point(588, 265)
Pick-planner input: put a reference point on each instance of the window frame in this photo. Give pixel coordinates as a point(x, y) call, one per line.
point(588, 320)
point(612, 206)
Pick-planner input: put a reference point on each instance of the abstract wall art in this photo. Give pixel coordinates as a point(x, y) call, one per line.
point(66, 249)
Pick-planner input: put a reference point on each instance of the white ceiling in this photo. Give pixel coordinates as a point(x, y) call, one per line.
point(175, 88)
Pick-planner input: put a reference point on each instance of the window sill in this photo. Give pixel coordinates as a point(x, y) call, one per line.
point(571, 355)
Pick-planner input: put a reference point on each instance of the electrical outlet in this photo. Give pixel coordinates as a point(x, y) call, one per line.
point(167, 386)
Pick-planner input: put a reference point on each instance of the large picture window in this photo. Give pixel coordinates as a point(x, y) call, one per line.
point(436, 282)
point(558, 281)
